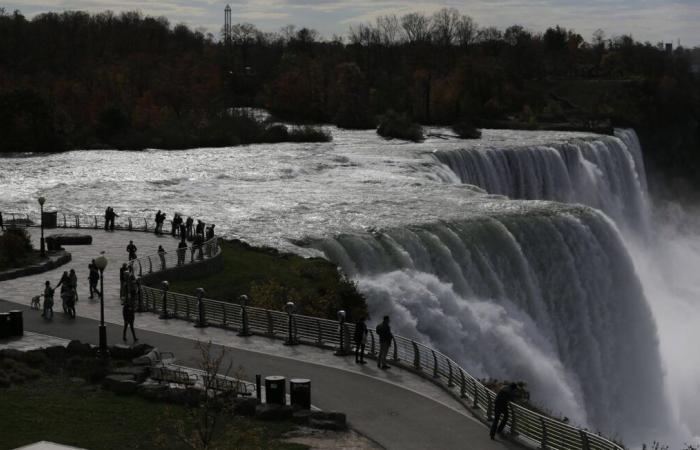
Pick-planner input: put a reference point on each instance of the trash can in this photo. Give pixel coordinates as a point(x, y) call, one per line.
point(4, 325)
point(49, 219)
point(16, 323)
point(300, 392)
point(275, 390)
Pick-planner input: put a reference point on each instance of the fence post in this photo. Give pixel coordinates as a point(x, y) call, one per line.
point(245, 328)
point(164, 288)
point(450, 383)
point(435, 365)
point(95, 222)
point(584, 440)
point(145, 224)
point(416, 356)
point(342, 350)
point(202, 321)
point(463, 385)
point(544, 444)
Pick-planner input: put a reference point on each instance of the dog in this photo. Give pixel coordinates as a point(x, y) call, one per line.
point(36, 302)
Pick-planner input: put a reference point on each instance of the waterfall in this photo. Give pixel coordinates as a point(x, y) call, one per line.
point(546, 294)
point(605, 172)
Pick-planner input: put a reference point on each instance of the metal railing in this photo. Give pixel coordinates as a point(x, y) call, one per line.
point(87, 221)
point(529, 427)
point(159, 262)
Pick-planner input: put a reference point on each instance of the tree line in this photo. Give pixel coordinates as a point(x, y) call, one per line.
point(79, 80)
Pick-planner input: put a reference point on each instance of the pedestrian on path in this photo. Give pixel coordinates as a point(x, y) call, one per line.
point(181, 251)
point(129, 315)
point(93, 278)
point(161, 255)
point(123, 277)
point(385, 338)
point(361, 333)
point(131, 249)
point(107, 218)
point(48, 301)
point(199, 230)
point(74, 284)
point(500, 412)
point(188, 226)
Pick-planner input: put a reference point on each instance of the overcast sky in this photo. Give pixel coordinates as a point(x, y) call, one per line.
point(652, 20)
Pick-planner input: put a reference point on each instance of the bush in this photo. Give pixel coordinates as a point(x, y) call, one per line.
point(466, 130)
point(399, 126)
point(15, 244)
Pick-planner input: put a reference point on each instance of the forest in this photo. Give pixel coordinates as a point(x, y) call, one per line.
point(76, 80)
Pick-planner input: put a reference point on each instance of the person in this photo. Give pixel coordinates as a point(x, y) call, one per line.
point(199, 230)
point(210, 232)
point(188, 225)
point(73, 284)
point(361, 333)
point(123, 277)
point(158, 222)
point(198, 244)
point(131, 249)
point(129, 312)
point(107, 218)
point(161, 255)
point(385, 338)
point(93, 278)
point(112, 216)
point(500, 412)
point(48, 301)
point(2, 227)
point(65, 279)
point(181, 251)
point(183, 230)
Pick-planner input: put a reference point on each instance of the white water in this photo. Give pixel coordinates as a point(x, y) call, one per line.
point(530, 290)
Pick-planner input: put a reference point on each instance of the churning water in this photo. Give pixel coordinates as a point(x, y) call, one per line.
point(523, 289)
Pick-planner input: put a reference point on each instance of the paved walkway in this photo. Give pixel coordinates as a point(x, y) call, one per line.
point(395, 408)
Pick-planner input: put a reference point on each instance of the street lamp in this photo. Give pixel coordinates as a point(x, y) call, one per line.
point(42, 250)
point(101, 264)
point(289, 309)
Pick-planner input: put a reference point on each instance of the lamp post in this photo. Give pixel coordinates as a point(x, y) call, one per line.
point(101, 264)
point(42, 247)
point(289, 309)
point(341, 320)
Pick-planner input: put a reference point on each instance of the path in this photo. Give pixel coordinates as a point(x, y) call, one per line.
point(395, 408)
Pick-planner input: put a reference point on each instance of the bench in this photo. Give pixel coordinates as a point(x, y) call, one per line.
point(54, 241)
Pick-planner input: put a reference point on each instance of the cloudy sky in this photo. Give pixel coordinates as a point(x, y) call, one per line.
point(652, 20)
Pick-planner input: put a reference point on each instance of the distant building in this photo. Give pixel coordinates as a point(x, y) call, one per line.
point(227, 24)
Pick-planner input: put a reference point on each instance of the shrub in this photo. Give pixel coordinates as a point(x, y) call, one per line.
point(15, 244)
point(466, 130)
point(399, 126)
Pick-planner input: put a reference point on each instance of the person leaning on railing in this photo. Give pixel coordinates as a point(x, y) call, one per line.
point(385, 338)
point(503, 398)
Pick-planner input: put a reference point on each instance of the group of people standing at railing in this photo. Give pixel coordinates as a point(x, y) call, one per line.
point(385, 338)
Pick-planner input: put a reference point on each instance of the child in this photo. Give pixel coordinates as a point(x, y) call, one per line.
point(48, 301)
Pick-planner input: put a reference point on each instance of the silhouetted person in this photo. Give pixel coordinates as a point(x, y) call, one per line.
point(188, 225)
point(131, 249)
point(48, 301)
point(385, 338)
point(129, 308)
point(107, 218)
point(74, 284)
point(210, 232)
point(112, 216)
point(161, 255)
point(181, 251)
point(183, 229)
point(159, 222)
point(93, 278)
point(2, 227)
point(500, 411)
point(199, 230)
point(361, 333)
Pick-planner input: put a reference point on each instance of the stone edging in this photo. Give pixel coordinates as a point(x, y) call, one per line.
point(55, 260)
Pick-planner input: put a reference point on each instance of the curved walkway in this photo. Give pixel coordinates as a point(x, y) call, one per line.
point(395, 408)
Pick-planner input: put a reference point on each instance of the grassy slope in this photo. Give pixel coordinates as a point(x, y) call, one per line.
point(271, 279)
point(58, 410)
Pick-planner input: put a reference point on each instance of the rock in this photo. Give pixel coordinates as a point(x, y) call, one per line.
point(273, 412)
point(137, 373)
point(245, 406)
point(78, 348)
point(328, 420)
point(120, 384)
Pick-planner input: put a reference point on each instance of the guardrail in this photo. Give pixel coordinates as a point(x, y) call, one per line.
point(159, 262)
point(85, 221)
point(529, 427)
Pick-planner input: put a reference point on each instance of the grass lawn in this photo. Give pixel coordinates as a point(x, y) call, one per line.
point(270, 279)
point(56, 409)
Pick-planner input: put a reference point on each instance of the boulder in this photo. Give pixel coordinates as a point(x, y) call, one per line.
point(245, 406)
point(120, 384)
point(273, 412)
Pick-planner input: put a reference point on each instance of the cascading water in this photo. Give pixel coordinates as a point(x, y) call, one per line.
point(606, 172)
point(547, 294)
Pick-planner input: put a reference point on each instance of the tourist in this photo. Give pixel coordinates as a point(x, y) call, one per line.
point(361, 333)
point(199, 230)
point(65, 279)
point(123, 277)
point(48, 301)
point(188, 226)
point(210, 232)
point(183, 230)
point(129, 310)
point(385, 338)
point(107, 218)
point(158, 222)
point(93, 278)
point(503, 398)
point(74, 284)
point(131, 249)
point(181, 251)
point(161, 255)
point(112, 216)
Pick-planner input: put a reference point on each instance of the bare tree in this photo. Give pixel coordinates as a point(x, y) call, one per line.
point(244, 33)
point(389, 29)
point(466, 31)
point(364, 34)
point(416, 26)
point(444, 26)
point(489, 34)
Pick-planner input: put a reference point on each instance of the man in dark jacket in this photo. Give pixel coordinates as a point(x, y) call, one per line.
point(503, 398)
point(385, 338)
